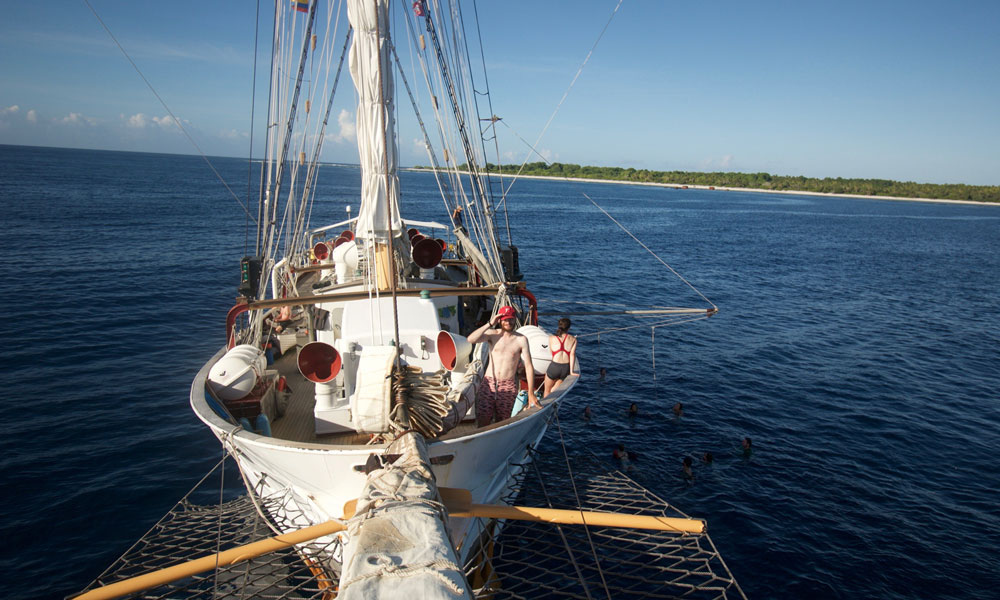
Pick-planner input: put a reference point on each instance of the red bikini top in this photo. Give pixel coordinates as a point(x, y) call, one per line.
point(562, 347)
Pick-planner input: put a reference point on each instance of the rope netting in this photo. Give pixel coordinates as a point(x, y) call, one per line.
point(531, 560)
point(513, 560)
point(190, 531)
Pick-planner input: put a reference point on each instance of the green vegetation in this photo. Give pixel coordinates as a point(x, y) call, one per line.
point(766, 181)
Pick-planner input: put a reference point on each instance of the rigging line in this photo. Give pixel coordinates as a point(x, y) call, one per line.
point(650, 251)
point(265, 164)
point(167, 108)
point(218, 534)
point(566, 93)
point(612, 218)
point(489, 104)
point(569, 551)
point(503, 200)
point(615, 304)
point(652, 346)
point(667, 323)
point(457, 106)
point(576, 495)
point(138, 542)
point(386, 115)
point(287, 134)
point(452, 180)
point(313, 172)
point(253, 105)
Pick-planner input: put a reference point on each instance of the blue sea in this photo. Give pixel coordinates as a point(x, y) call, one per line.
point(857, 344)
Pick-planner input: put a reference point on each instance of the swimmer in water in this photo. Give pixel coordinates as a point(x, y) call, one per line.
point(747, 446)
point(686, 467)
point(707, 458)
point(678, 410)
point(604, 374)
point(626, 457)
point(586, 413)
point(633, 410)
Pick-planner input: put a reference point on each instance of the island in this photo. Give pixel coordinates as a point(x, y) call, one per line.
point(840, 186)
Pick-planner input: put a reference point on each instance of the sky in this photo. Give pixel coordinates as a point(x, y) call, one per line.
point(879, 89)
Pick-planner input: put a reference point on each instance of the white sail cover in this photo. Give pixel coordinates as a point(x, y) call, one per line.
point(370, 42)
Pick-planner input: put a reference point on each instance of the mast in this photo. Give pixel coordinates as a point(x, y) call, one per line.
point(378, 215)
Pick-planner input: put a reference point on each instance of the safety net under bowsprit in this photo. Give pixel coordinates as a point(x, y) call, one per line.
point(513, 559)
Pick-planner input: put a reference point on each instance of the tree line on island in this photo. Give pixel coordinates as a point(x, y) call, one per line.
point(761, 181)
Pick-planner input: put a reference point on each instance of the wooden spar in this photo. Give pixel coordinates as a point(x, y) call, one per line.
point(211, 561)
point(582, 517)
point(364, 295)
point(459, 504)
point(652, 311)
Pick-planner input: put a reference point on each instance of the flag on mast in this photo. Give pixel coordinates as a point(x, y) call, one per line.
point(301, 5)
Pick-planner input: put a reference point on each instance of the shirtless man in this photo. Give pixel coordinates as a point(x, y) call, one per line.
point(496, 395)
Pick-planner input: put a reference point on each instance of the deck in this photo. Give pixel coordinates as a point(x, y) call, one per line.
point(297, 424)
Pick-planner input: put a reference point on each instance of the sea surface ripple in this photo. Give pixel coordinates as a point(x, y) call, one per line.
point(857, 345)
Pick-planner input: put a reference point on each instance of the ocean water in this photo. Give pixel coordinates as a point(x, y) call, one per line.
point(857, 344)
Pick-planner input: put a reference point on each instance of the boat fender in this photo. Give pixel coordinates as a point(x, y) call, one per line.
point(263, 425)
point(216, 407)
point(519, 403)
point(538, 343)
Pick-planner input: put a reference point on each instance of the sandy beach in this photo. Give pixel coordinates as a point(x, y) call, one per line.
point(737, 189)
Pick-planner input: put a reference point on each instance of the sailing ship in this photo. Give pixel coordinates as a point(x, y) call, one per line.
point(347, 334)
point(348, 386)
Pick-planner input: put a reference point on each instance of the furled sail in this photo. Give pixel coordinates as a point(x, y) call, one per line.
point(375, 121)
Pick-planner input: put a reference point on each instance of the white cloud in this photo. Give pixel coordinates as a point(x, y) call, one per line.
point(348, 132)
point(32, 116)
point(141, 121)
point(165, 122)
point(4, 112)
point(77, 119)
point(136, 121)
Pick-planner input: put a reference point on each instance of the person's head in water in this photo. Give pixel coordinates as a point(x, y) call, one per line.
point(707, 458)
point(747, 446)
point(686, 467)
point(564, 324)
point(678, 409)
point(633, 409)
point(586, 412)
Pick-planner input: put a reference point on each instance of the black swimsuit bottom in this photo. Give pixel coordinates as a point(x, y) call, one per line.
point(557, 370)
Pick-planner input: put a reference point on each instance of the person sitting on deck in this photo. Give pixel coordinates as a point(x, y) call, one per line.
point(280, 320)
point(563, 358)
point(495, 396)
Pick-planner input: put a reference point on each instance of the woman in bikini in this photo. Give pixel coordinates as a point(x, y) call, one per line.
point(563, 347)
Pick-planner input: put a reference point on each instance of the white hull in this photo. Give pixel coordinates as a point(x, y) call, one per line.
point(319, 479)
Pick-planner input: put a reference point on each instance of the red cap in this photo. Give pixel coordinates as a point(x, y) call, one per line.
point(506, 312)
